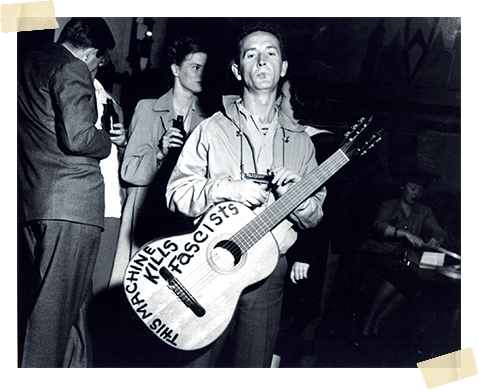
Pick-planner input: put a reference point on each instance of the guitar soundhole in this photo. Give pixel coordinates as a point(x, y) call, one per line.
point(225, 256)
point(232, 248)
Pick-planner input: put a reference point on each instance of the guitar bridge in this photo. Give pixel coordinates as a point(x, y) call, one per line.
point(181, 292)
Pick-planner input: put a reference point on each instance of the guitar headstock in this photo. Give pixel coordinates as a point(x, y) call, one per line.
point(355, 142)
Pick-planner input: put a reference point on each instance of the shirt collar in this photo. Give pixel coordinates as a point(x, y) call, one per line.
point(165, 102)
point(233, 105)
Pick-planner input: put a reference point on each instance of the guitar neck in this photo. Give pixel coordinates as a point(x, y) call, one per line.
point(286, 204)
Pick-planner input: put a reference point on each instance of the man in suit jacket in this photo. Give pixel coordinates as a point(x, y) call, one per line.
point(60, 193)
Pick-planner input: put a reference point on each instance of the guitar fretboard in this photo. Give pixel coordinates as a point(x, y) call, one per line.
point(286, 204)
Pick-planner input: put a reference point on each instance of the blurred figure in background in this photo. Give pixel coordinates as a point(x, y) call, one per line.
point(402, 225)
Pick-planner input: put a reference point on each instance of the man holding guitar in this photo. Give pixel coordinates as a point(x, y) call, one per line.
point(251, 155)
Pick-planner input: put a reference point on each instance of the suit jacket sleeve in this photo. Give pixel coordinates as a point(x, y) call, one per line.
point(74, 103)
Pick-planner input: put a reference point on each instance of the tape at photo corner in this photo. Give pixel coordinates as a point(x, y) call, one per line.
point(39, 15)
point(448, 368)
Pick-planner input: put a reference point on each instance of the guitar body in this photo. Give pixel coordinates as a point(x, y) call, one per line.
point(185, 288)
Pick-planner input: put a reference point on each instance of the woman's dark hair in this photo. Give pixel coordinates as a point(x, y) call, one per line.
point(83, 33)
point(306, 98)
point(183, 47)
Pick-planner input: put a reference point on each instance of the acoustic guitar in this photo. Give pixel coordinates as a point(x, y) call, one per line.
point(185, 288)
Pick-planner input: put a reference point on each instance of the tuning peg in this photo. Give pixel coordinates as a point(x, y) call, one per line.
point(359, 122)
point(370, 118)
point(370, 144)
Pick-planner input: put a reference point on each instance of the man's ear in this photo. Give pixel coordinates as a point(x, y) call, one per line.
point(285, 66)
point(89, 53)
point(235, 70)
point(175, 70)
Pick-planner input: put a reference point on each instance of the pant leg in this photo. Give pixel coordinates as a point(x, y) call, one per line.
point(250, 328)
point(106, 255)
point(79, 349)
point(64, 255)
point(257, 320)
point(275, 295)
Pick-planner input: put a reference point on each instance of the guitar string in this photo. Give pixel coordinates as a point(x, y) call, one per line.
point(192, 290)
point(200, 278)
point(197, 275)
point(201, 275)
point(207, 274)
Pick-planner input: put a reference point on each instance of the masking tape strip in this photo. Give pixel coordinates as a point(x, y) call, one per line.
point(38, 15)
point(448, 368)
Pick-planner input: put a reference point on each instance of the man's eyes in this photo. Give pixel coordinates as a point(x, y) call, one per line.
point(271, 53)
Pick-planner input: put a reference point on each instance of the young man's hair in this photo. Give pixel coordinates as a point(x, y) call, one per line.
point(83, 33)
point(266, 26)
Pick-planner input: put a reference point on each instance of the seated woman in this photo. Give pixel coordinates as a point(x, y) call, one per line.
point(401, 225)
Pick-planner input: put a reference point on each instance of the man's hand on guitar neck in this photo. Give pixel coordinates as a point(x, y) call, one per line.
point(283, 178)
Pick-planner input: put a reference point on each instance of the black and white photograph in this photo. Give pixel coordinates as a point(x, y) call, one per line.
point(240, 192)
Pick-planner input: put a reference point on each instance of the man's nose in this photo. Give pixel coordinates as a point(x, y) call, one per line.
point(261, 60)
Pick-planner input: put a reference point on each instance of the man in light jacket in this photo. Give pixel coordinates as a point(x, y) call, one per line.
point(252, 136)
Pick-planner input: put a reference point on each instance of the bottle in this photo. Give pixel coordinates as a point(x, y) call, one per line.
point(110, 116)
point(174, 153)
point(178, 123)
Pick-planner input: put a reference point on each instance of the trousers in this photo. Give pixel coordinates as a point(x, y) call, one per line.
point(55, 266)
